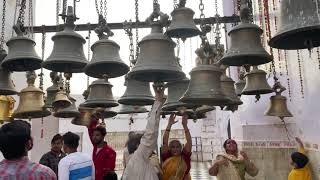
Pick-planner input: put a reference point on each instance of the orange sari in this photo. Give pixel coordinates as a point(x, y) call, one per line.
point(174, 168)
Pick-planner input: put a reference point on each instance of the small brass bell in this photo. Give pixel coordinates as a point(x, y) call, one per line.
point(128, 109)
point(67, 54)
point(52, 90)
point(137, 93)
point(106, 60)
point(31, 104)
point(175, 91)
point(61, 100)
point(156, 61)
point(299, 25)
point(6, 84)
point(256, 83)
point(227, 86)
point(278, 103)
point(21, 53)
point(100, 95)
point(85, 117)
point(68, 112)
point(245, 46)
point(6, 108)
point(182, 23)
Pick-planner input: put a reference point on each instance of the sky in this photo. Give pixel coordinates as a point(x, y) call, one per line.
point(117, 11)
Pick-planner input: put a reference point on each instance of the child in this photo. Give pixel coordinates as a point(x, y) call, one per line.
point(299, 161)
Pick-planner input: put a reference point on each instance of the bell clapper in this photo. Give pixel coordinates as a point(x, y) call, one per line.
point(257, 98)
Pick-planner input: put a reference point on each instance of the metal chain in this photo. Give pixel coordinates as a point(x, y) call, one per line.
point(287, 73)
point(97, 6)
point(15, 16)
point(105, 10)
point(57, 11)
point(175, 4)
point(127, 26)
point(318, 54)
point(30, 18)
point(216, 6)
point(101, 7)
point(202, 16)
point(137, 29)
point(178, 47)
point(300, 73)
point(43, 45)
point(22, 12)
point(89, 50)
point(3, 23)
point(268, 32)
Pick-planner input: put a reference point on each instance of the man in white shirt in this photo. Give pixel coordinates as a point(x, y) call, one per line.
point(139, 166)
point(75, 165)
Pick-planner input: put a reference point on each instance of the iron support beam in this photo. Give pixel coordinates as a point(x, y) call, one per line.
point(86, 27)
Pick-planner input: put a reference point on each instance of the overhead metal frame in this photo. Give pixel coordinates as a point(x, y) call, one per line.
point(117, 25)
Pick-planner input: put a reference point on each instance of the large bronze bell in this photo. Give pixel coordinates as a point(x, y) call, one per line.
point(299, 25)
point(31, 104)
point(106, 60)
point(6, 84)
point(227, 86)
point(278, 103)
point(204, 87)
point(100, 95)
point(67, 54)
point(245, 46)
point(21, 53)
point(182, 24)
point(128, 109)
point(61, 100)
point(6, 108)
point(68, 112)
point(137, 93)
point(256, 83)
point(156, 61)
point(175, 91)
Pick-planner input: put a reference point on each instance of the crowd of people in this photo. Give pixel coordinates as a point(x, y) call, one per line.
point(140, 158)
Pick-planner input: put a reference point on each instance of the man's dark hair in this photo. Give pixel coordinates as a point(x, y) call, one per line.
point(101, 129)
point(226, 141)
point(300, 159)
point(134, 142)
point(13, 139)
point(71, 140)
point(111, 175)
point(56, 138)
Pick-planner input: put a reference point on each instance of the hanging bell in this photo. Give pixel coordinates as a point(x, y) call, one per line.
point(256, 83)
point(156, 61)
point(68, 112)
point(182, 24)
point(227, 86)
point(31, 104)
point(299, 26)
point(100, 95)
point(67, 54)
point(128, 109)
point(61, 100)
point(175, 91)
point(85, 117)
point(6, 108)
point(245, 47)
point(6, 84)
point(106, 60)
point(137, 93)
point(204, 87)
point(52, 90)
point(21, 53)
point(278, 103)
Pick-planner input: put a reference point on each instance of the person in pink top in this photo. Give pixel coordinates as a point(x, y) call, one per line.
point(15, 142)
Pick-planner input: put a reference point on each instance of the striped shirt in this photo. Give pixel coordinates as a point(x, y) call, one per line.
point(76, 166)
point(24, 169)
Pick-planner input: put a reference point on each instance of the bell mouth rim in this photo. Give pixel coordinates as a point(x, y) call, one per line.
point(118, 71)
point(254, 92)
point(278, 39)
point(35, 64)
point(71, 67)
point(74, 114)
point(187, 32)
point(136, 101)
point(99, 103)
point(254, 59)
point(26, 114)
point(174, 106)
point(169, 75)
point(206, 101)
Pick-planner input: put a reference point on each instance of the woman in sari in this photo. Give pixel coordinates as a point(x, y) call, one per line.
point(176, 159)
point(232, 165)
